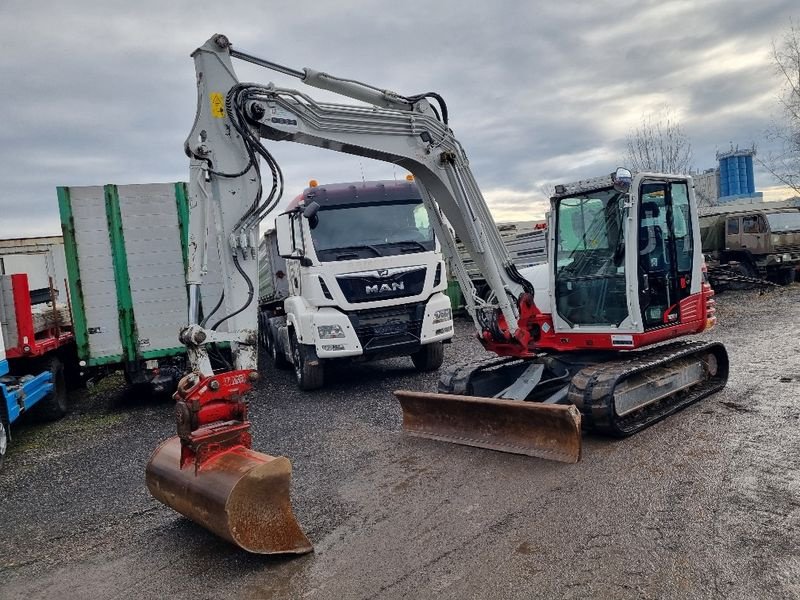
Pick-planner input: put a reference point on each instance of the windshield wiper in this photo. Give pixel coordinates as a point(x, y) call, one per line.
point(359, 247)
point(409, 242)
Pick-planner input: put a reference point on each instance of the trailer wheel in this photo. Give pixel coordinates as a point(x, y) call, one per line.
point(54, 405)
point(278, 357)
point(4, 437)
point(429, 357)
point(309, 374)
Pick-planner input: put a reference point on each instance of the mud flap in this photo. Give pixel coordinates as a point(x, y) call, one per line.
point(550, 431)
point(241, 495)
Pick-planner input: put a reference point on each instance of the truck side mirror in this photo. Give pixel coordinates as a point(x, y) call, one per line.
point(284, 232)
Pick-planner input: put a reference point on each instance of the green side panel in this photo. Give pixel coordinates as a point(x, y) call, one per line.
point(113, 359)
point(73, 273)
point(149, 354)
point(182, 201)
point(122, 280)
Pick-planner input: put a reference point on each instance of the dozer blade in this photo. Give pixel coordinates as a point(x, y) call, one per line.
point(550, 431)
point(241, 495)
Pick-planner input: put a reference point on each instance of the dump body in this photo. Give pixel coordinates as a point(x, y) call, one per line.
point(126, 251)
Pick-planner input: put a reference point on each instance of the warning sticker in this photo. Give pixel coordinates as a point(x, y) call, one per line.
point(217, 105)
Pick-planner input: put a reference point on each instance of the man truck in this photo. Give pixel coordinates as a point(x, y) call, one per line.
point(360, 276)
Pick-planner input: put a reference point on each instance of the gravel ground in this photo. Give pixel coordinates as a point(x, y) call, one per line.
point(703, 505)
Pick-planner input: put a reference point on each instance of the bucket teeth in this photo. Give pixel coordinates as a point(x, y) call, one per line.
point(241, 495)
point(550, 431)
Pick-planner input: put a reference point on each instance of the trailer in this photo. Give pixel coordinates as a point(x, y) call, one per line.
point(37, 355)
point(126, 253)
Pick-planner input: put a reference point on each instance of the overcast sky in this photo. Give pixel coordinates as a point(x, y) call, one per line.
point(538, 92)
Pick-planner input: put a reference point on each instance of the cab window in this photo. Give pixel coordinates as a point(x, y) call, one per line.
point(751, 224)
point(733, 226)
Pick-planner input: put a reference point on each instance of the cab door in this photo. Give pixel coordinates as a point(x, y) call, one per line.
point(753, 234)
point(666, 253)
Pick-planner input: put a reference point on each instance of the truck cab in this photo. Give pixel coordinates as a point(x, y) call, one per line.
point(353, 270)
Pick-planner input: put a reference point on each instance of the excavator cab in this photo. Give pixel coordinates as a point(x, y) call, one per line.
point(624, 256)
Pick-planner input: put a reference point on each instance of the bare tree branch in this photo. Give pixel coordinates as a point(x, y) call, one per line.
point(659, 144)
point(783, 163)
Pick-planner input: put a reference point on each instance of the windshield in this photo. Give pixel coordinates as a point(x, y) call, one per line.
point(784, 221)
point(369, 230)
point(590, 265)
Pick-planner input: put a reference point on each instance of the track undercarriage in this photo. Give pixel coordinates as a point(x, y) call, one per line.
point(539, 406)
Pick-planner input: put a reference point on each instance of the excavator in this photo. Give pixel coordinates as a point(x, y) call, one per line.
point(586, 341)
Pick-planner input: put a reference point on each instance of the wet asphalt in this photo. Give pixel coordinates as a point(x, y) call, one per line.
point(703, 505)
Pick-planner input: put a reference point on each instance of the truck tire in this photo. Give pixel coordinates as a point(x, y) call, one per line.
point(310, 375)
point(276, 354)
point(785, 276)
point(54, 405)
point(429, 357)
point(4, 438)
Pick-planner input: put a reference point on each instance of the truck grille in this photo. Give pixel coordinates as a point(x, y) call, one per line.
point(386, 328)
point(369, 286)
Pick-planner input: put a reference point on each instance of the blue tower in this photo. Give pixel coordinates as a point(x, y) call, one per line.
point(736, 180)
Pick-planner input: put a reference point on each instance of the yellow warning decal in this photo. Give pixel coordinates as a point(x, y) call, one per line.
point(217, 105)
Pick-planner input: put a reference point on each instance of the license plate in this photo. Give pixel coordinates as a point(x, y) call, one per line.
point(151, 364)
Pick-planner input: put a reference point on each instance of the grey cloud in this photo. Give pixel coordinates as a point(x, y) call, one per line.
point(104, 92)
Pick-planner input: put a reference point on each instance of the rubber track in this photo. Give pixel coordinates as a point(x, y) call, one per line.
point(592, 388)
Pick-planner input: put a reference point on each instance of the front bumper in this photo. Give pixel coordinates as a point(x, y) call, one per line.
point(392, 330)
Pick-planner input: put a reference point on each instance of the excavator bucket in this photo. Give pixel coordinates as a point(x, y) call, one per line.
point(241, 495)
point(551, 431)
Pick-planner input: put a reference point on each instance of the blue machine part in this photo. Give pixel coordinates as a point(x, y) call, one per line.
point(21, 393)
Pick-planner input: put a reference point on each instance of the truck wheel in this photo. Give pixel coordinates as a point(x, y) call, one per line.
point(785, 276)
point(309, 376)
point(54, 406)
point(3, 440)
point(429, 357)
point(278, 357)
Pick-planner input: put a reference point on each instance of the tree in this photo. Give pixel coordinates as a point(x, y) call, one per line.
point(783, 162)
point(659, 144)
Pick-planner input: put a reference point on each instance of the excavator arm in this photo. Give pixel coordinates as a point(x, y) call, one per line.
point(407, 131)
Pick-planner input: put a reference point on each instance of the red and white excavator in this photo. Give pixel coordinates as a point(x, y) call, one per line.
point(585, 341)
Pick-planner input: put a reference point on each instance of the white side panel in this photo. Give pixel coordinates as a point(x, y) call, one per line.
point(39, 258)
point(155, 263)
point(96, 270)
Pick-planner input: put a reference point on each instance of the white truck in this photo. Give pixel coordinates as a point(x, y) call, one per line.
point(353, 270)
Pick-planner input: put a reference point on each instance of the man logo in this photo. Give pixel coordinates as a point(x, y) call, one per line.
point(395, 286)
point(383, 272)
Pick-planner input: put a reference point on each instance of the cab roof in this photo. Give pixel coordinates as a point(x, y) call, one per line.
point(357, 192)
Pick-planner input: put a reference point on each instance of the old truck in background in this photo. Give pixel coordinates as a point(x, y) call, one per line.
point(757, 240)
point(353, 271)
point(126, 251)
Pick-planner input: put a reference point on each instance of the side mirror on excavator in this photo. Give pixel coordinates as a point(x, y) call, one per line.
point(622, 180)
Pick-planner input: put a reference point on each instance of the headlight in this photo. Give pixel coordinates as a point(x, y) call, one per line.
point(777, 259)
point(787, 257)
point(329, 332)
point(442, 315)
